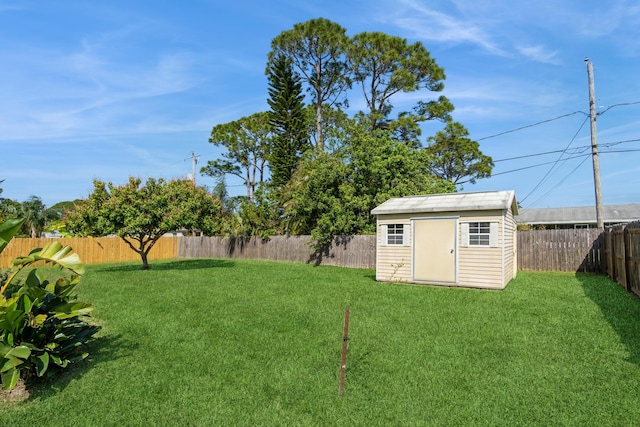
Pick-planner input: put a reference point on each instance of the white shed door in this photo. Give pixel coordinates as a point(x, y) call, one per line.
point(434, 249)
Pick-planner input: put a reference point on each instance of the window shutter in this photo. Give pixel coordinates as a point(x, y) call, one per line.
point(493, 236)
point(383, 232)
point(405, 235)
point(464, 230)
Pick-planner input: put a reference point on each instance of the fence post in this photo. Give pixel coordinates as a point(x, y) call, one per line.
point(626, 263)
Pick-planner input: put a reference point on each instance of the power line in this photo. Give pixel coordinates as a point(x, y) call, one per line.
point(538, 165)
point(577, 156)
point(609, 144)
point(526, 156)
point(574, 150)
point(539, 199)
point(557, 161)
point(531, 125)
point(620, 151)
point(621, 104)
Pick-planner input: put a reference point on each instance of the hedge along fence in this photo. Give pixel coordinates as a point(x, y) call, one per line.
point(91, 250)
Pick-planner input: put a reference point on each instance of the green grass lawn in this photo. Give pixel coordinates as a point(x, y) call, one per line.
point(230, 342)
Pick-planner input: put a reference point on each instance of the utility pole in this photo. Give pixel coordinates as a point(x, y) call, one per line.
point(194, 161)
point(594, 147)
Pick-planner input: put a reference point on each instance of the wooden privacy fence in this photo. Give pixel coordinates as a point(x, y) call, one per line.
point(91, 250)
point(345, 251)
point(623, 255)
point(561, 250)
point(615, 252)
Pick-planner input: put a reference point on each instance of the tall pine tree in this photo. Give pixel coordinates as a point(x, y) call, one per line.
point(287, 116)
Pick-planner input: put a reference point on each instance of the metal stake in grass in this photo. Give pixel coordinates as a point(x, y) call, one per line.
point(345, 340)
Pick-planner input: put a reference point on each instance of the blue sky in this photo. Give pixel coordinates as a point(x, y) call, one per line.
point(111, 89)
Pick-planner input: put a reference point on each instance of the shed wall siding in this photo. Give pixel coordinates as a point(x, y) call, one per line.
point(481, 266)
point(510, 247)
point(393, 263)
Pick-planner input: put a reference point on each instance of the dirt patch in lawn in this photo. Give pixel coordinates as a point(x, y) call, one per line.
point(18, 394)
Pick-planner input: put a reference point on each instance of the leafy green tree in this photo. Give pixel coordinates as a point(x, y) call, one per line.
point(229, 203)
point(317, 51)
point(60, 208)
point(288, 120)
point(386, 65)
point(248, 144)
point(55, 224)
point(260, 218)
point(333, 193)
point(406, 127)
point(8, 208)
point(36, 215)
point(456, 157)
point(141, 214)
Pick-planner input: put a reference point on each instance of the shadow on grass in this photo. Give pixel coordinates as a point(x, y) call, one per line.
point(619, 307)
point(182, 264)
point(101, 350)
point(370, 275)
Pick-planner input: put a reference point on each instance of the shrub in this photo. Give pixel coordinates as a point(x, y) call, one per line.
point(42, 325)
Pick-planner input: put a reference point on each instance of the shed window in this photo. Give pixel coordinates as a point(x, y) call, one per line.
point(395, 234)
point(479, 233)
point(483, 234)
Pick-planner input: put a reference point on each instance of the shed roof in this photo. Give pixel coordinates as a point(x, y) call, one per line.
point(612, 214)
point(449, 202)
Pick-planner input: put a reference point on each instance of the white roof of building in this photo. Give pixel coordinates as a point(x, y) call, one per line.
point(612, 214)
point(449, 202)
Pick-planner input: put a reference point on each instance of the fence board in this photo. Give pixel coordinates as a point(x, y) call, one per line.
point(561, 250)
point(345, 251)
point(92, 250)
point(632, 264)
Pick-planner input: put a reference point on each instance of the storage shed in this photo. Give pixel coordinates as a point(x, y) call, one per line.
point(456, 239)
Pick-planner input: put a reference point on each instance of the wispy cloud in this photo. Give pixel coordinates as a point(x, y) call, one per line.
point(429, 24)
point(539, 53)
point(86, 87)
point(606, 18)
point(491, 27)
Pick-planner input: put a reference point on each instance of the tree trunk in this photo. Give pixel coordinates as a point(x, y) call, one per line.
point(247, 180)
point(145, 262)
point(319, 141)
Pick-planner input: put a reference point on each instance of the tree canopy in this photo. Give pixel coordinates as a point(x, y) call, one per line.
point(142, 213)
point(333, 193)
point(360, 158)
point(386, 65)
point(456, 157)
point(36, 215)
point(248, 143)
point(317, 49)
point(288, 120)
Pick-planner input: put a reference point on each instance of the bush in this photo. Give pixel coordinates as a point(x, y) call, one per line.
point(42, 325)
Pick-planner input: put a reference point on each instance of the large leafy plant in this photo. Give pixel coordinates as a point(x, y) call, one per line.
point(42, 325)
